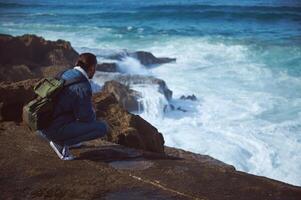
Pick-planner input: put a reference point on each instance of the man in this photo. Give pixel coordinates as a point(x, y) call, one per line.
point(75, 119)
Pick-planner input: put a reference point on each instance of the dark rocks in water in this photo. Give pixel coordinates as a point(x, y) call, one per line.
point(127, 129)
point(145, 58)
point(181, 109)
point(172, 107)
point(126, 97)
point(128, 79)
point(13, 96)
point(189, 97)
point(28, 56)
point(107, 67)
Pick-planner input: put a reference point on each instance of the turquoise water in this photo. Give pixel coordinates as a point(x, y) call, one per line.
point(242, 59)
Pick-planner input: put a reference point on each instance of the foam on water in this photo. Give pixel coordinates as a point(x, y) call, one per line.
point(244, 116)
point(131, 65)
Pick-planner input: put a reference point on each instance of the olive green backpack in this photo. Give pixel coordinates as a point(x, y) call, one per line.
point(38, 113)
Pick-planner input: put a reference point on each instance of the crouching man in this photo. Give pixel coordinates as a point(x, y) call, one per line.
point(75, 118)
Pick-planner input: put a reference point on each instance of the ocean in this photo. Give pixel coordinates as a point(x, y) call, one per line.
point(241, 59)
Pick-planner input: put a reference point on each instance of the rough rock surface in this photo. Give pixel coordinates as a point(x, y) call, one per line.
point(13, 97)
point(126, 97)
point(189, 97)
point(127, 129)
point(128, 79)
point(107, 67)
point(145, 58)
point(30, 56)
point(29, 169)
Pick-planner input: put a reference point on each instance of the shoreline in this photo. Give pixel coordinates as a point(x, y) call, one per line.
point(187, 166)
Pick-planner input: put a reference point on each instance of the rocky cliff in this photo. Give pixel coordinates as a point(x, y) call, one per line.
point(30, 56)
point(132, 162)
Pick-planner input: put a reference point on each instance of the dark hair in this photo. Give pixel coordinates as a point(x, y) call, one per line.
point(85, 60)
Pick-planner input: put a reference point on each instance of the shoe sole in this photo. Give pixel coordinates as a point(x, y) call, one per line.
point(68, 158)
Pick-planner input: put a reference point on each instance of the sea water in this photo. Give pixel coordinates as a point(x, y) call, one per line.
point(241, 59)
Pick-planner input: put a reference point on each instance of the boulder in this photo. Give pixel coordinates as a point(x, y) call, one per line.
point(128, 79)
point(126, 97)
point(107, 67)
point(145, 58)
point(13, 97)
point(189, 97)
point(127, 129)
point(27, 56)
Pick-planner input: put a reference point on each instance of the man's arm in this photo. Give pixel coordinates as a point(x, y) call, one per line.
point(82, 105)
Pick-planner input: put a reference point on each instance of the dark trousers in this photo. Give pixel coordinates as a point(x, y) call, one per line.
point(76, 132)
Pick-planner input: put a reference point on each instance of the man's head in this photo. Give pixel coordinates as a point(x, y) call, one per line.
point(88, 62)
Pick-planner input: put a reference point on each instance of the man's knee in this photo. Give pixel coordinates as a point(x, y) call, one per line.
point(102, 127)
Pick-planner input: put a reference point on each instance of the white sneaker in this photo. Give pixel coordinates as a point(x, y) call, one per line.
point(66, 154)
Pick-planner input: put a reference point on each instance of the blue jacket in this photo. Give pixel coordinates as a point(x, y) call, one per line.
point(74, 102)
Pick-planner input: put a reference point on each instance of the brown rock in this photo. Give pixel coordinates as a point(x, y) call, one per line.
point(128, 79)
point(29, 169)
point(126, 97)
point(127, 129)
point(24, 57)
point(145, 58)
point(13, 96)
point(107, 67)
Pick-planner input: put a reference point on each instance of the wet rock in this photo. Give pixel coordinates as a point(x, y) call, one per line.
point(145, 58)
point(27, 56)
point(107, 67)
point(128, 79)
point(181, 109)
point(189, 97)
point(13, 96)
point(126, 97)
point(127, 129)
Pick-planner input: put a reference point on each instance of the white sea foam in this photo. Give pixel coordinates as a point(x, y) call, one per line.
point(245, 115)
point(131, 65)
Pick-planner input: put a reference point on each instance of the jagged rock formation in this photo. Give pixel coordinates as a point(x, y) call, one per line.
point(12, 98)
point(126, 97)
point(127, 129)
point(145, 58)
point(128, 79)
point(189, 97)
point(30, 56)
point(107, 67)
